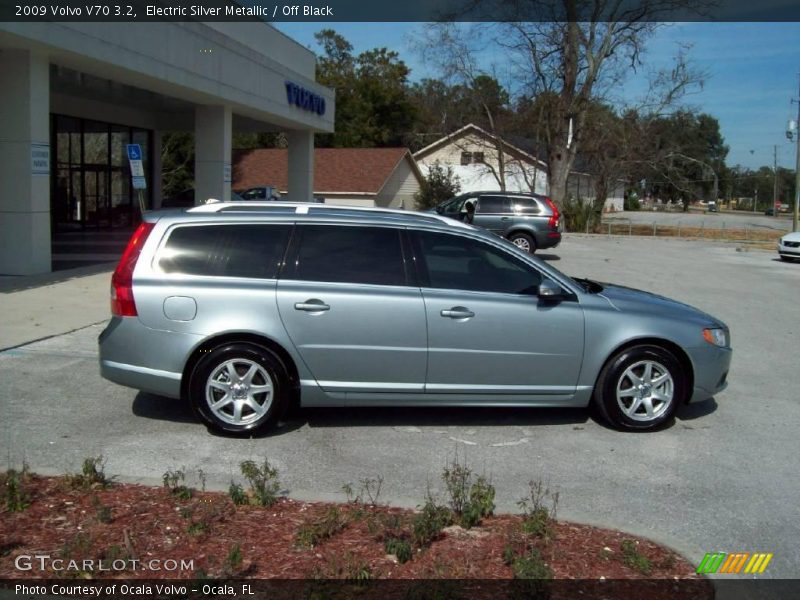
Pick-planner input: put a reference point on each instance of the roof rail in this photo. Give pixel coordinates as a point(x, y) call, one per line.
point(302, 208)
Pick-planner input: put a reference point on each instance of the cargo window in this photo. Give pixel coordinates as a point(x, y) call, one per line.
point(525, 206)
point(254, 251)
point(366, 255)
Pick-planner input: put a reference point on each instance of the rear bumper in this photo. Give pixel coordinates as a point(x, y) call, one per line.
point(711, 366)
point(163, 383)
point(547, 239)
point(150, 360)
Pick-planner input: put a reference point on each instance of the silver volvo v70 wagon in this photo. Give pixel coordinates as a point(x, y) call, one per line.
point(242, 308)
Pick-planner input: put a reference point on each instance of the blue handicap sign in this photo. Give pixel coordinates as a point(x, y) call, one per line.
point(134, 152)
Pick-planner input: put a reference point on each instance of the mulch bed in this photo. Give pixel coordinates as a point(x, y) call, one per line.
point(124, 521)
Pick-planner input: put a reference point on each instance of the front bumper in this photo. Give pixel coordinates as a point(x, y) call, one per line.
point(711, 366)
point(787, 251)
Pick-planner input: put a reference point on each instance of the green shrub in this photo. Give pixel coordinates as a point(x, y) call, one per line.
point(103, 512)
point(400, 548)
point(531, 565)
point(631, 202)
point(348, 567)
point(197, 528)
point(428, 524)
point(538, 519)
point(236, 492)
point(481, 503)
point(369, 491)
point(578, 214)
point(175, 482)
point(15, 496)
point(232, 562)
point(92, 474)
point(263, 480)
point(470, 499)
point(314, 533)
point(634, 559)
point(440, 184)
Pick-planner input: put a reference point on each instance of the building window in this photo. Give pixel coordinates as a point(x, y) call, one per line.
point(91, 186)
point(466, 158)
point(477, 157)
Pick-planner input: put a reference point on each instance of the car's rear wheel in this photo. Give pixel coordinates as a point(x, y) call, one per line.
point(640, 388)
point(239, 388)
point(523, 241)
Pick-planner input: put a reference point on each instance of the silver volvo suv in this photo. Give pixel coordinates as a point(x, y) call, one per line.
point(243, 308)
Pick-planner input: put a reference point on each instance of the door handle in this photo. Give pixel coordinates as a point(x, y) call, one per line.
point(505, 218)
point(312, 305)
point(458, 312)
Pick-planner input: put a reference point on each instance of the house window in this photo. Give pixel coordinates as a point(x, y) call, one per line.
point(466, 158)
point(477, 157)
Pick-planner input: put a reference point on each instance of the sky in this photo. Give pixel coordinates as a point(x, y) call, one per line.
point(753, 73)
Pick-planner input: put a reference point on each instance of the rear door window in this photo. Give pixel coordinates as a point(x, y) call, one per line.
point(493, 205)
point(254, 251)
point(350, 254)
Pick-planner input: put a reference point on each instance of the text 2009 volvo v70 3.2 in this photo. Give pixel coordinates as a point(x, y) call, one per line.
point(240, 308)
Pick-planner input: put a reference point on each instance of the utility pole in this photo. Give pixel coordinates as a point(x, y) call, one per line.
point(775, 181)
point(797, 170)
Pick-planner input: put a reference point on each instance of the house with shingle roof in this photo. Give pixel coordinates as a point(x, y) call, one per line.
point(474, 155)
point(384, 177)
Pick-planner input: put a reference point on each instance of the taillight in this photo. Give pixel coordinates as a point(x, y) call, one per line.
point(122, 303)
point(552, 222)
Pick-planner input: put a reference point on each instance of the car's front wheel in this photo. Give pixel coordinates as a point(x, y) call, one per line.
point(640, 388)
point(239, 388)
point(523, 241)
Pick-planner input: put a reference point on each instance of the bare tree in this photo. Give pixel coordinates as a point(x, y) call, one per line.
point(574, 53)
point(445, 45)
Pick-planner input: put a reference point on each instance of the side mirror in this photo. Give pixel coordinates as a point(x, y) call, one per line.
point(549, 290)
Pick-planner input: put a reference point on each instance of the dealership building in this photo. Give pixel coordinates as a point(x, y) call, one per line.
point(73, 96)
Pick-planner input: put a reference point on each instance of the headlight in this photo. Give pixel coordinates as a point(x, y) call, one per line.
point(716, 336)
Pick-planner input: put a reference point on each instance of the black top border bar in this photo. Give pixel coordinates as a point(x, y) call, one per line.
point(336, 11)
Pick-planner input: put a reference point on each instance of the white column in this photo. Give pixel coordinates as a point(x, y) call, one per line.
point(301, 166)
point(157, 184)
point(24, 163)
point(212, 153)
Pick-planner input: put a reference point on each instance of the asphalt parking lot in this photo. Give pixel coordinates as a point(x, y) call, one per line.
point(723, 478)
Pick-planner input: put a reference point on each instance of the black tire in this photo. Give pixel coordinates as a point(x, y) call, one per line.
point(615, 373)
point(242, 356)
point(518, 236)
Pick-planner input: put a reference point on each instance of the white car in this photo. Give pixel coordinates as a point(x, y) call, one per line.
point(789, 246)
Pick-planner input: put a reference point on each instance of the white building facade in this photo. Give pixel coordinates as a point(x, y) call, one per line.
point(74, 95)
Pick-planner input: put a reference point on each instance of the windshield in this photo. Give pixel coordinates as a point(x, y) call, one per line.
point(450, 206)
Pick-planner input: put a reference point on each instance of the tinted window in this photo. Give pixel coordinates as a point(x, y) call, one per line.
point(350, 255)
point(255, 194)
point(225, 250)
point(526, 206)
point(459, 263)
point(492, 204)
point(454, 205)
